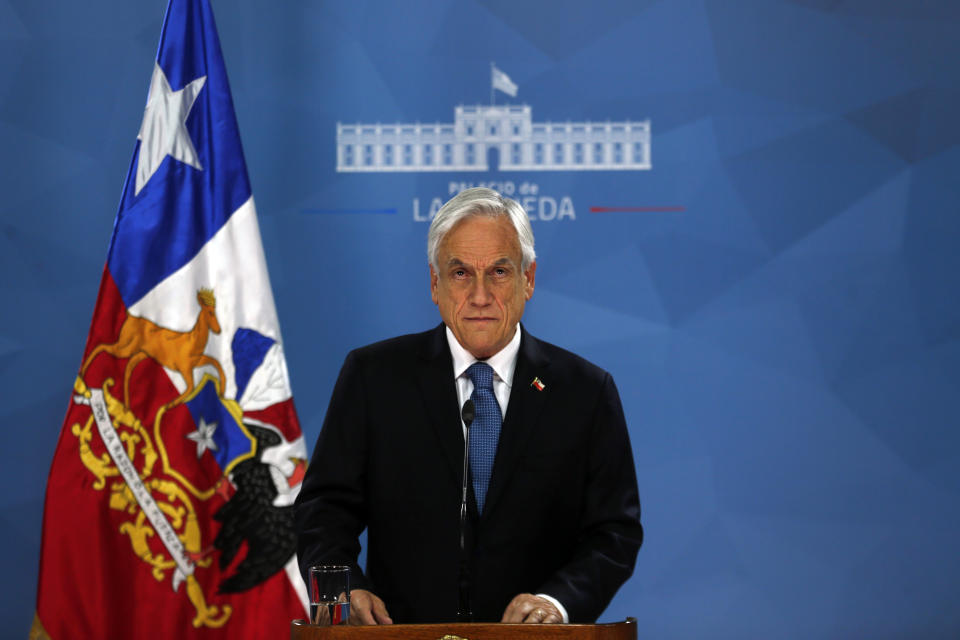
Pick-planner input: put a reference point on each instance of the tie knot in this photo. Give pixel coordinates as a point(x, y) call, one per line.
point(481, 374)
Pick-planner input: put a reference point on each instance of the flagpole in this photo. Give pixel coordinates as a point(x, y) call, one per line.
point(492, 67)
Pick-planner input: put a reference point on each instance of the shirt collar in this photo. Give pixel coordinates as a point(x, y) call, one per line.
point(504, 362)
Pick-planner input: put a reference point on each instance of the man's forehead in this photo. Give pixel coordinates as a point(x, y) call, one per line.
point(456, 261)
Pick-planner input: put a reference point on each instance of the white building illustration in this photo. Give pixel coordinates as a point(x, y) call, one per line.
point(501, 135)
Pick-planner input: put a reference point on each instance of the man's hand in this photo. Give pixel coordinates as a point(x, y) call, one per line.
point(367, 608)
point(527, 607)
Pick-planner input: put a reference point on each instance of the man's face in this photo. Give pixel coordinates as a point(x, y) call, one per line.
point(481, 288)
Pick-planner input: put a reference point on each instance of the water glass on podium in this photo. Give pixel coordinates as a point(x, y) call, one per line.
point(329, 594)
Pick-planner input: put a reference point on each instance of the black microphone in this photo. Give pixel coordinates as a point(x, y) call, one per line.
point(464, 614)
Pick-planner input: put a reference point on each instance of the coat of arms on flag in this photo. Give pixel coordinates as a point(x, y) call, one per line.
point(169, 503)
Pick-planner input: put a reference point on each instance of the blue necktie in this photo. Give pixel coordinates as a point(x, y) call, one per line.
point(485, 431)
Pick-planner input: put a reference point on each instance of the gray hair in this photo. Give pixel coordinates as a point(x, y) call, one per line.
point(480, 201)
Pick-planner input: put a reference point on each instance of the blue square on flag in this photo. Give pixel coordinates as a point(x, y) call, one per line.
point(218, 431)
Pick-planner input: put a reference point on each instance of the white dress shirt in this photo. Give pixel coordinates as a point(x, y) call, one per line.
point(503, 363)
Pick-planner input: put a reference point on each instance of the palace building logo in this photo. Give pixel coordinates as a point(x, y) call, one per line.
point(502, 135)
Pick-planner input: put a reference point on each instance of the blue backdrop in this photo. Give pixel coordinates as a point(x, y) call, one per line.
point(776, 295)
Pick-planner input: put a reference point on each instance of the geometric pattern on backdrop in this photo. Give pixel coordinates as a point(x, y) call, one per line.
point(788, 344)
point(813, 146)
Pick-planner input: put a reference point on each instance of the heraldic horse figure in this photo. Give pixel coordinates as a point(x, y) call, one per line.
point(181, 351)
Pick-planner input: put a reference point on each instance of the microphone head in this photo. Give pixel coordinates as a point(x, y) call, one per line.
point(468, 413)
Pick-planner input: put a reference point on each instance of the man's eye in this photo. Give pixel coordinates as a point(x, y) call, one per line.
point(500, 272)
point(459, 273)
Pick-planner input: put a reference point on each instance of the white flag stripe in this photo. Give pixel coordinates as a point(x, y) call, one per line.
point(233, 265)
point(269, 384)
point(293, 572)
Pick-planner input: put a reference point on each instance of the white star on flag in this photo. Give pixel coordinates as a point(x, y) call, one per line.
point(163, 131)
point(203, 436)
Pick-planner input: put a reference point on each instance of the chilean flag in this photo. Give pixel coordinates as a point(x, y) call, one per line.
point(169, 503)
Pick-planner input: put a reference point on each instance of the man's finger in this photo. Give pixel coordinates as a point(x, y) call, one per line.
point(515, 611)
point(542, 615)
point(553, 617)
point(536, 615)
point(528, 608)
point(363, 613)
point(380, 612)
point(362, 603)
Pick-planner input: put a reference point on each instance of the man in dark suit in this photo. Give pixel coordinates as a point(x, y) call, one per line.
point(553, 521)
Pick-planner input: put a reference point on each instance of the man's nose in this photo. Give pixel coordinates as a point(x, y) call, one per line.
point(480, 293)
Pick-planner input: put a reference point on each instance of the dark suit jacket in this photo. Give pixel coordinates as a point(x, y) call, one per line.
point(562, 511)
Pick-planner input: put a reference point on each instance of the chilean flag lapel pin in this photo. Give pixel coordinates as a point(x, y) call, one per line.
point(538, 385)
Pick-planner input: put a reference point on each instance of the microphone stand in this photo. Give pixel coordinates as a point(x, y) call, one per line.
point(464, 612)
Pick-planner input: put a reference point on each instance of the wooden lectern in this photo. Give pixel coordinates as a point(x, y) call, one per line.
point(626, 630)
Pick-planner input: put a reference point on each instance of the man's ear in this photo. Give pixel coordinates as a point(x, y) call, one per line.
point(433, 284)
point(530, 275)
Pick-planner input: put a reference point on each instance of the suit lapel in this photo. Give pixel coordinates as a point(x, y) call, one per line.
point(523, 411)
point(439, 392)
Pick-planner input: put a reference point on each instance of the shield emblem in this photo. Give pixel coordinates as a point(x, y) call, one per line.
point(201, 440)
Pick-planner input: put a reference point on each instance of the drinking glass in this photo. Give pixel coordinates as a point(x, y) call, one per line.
point(329, 594)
